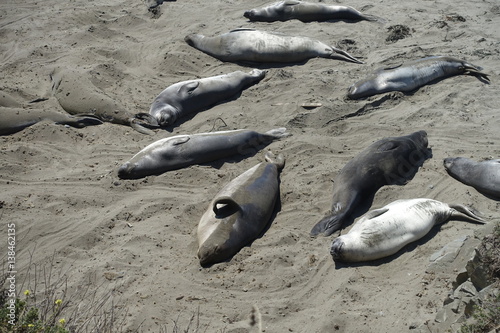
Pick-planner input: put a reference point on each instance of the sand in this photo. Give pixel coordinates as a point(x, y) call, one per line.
point(136, 239)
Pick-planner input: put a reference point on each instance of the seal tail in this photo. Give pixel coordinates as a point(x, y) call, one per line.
point(466, 214)
point(328, 225)
point(343, 55)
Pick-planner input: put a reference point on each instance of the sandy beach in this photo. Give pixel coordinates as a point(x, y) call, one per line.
point(133, 242)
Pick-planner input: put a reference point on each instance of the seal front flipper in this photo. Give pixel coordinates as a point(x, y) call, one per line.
point(225, 206)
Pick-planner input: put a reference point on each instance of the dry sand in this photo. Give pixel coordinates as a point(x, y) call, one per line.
point(137, 238)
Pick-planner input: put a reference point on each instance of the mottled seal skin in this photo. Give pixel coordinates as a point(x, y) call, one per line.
point(412, 75)
point(483, 176)
point(305, 12)
point(192, 96)
point(184, 150)
point(390, 161)
point(383, 232)
point(250, 45)
point(240, 212)
point(77, 95)
point(13, 120)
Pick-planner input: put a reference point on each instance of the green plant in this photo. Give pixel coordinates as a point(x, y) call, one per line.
point(27, 318)
point(486, 317)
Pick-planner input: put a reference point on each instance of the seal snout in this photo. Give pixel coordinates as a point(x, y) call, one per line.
point(249, 14)
point(189, 39)
point(448, 162)
point(125, 171)
point(336, 249)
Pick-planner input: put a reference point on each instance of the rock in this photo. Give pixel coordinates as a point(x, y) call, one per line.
point(478, 273)
point(449, 252)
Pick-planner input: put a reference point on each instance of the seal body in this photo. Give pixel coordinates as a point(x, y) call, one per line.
point(412, 75)
point(305, 12)
point(13, 120)
point(77, 95)
point(250, 45)
point(483, 176)
point(184, 150)
point(383, 232)
point(192, 96)
point(390, 161)
point(240, 212)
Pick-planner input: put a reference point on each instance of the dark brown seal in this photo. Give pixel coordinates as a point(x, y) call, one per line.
point(390, 161)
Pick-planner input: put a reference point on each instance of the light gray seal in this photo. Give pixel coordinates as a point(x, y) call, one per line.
point(191, 96)
point(412, 75)
point(305, 12)
point(77, 95)
point(13, 120)
point(383, 232)
point(240, 212)
point(184, 150)
point(389, 161)
point(483, 176)
point(250, 45)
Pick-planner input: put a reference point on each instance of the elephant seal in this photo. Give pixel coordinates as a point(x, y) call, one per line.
point(383, 232)
point(390, 161)
point(184, 150)
point(305, 12)
point(412, 75)
point(483, 176)
point(191, 96)
point(78, 95)
point(13, 120)
point(250, 45)
point(240, 212)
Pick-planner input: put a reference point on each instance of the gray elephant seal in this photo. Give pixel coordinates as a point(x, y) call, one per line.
point(77, 95)
point(383, 232)
point(305, 12)
point(483, 176)
point(390, 161)
point(250, 45)
point(13, 120)
point(240, 212)
point(184, 150)
point(412, 75)
point(192, 96)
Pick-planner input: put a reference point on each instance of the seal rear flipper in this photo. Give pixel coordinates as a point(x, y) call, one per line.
point(279, 160)
point(140, 128)
point(343, 55)
point(278, 133)
point(147, 120)
point(466, 213)
point(142, 121)
point(328, 225)
point(373, 18)
point(476, 71)
point(82, 121)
